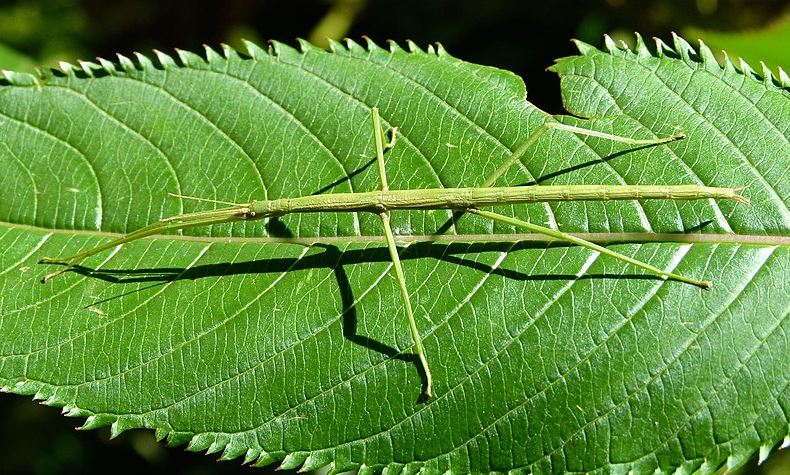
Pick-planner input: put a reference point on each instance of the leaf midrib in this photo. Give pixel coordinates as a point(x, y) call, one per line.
point(623, 237)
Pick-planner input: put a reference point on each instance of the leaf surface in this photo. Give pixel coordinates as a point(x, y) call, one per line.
point(286, 341)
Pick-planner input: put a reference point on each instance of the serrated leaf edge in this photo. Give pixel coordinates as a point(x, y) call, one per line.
point(158, 59)
point(681, 49)
point(234, 446)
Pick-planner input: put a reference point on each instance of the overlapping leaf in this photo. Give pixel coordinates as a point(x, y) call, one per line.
point(286, 341)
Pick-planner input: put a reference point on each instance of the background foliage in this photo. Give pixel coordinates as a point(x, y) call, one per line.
point(524, 37)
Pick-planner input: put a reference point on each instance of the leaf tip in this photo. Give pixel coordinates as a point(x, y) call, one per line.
point(393, 46)
point(315, 461)
point(165, 59)
point(67, 68)
point(745, 67)
point(199, 442)
point(584, 48)
point(370, 45)
point(707, 57)
point(249, 456)
point(118, 427)
point(293, 461)
point(212, 56)
point(641, 47)
point(764, 452)
point(440, 51)
point(354, 47)
point(682, 47)
point(768, 75)
point(97, 421)
point(73, 411)
point(228, 51)
point(217, 445)
point(19, 79)
point(610, 44)
point(108, 66)
point(26, 388)
point(178, 438)
point(305, 46)
point(784, 79)
point(253, 50)
point(413, 47)
point(662, 49)
point(89, 68)
point(160, 433)
point(264, 458)
point(365, 469)
point(335, 46)
point(144, 61)
point(126, 63)
point(233, 450)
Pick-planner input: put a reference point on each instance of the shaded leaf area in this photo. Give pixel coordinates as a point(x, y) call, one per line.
point(286, 341)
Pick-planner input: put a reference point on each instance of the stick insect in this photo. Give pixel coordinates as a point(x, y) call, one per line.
point(470, 200)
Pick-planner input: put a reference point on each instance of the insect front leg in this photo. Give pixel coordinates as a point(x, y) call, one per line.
point(378, 133)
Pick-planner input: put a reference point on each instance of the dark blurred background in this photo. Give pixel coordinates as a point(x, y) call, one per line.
point(522, 36)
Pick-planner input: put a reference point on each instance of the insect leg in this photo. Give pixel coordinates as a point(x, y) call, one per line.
point(589, 245)
point(529, 142)
point(393, 250)
point(519, 152)
point(201, 218)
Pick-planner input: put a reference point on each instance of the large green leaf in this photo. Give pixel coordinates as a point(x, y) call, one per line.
point(287, 340)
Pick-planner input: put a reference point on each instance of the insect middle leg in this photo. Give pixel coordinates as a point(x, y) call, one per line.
point(556, 234)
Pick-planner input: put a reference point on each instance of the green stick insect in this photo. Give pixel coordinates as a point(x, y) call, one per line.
point(465, 199)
